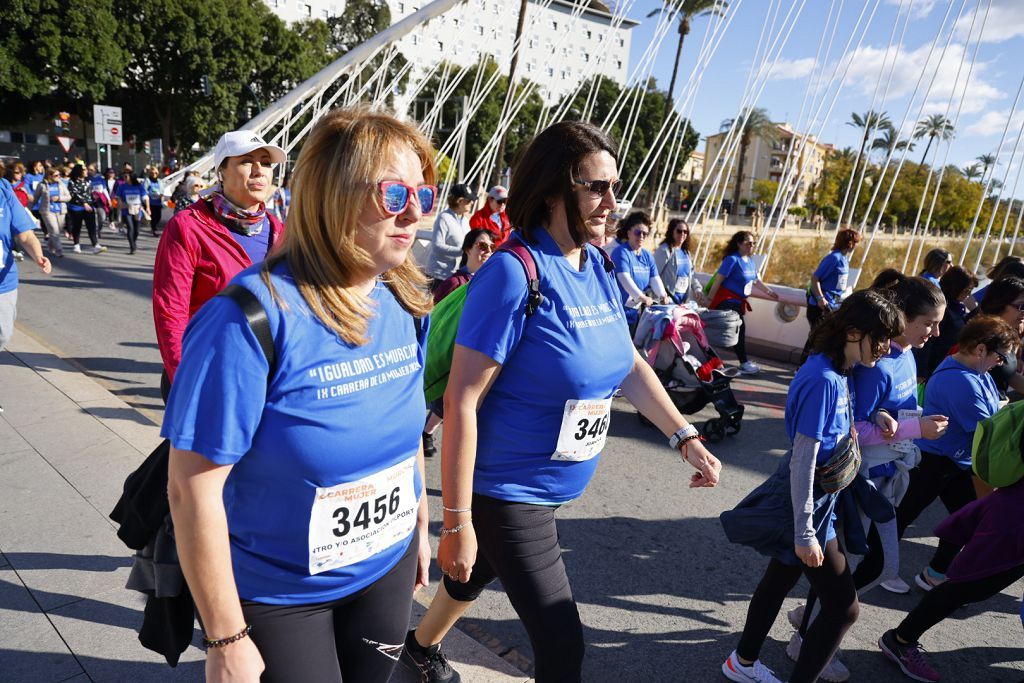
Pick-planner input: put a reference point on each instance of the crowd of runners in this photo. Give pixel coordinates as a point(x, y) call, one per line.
point(298, 426)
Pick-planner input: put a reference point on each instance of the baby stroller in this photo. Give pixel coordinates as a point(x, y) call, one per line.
point(673, 341)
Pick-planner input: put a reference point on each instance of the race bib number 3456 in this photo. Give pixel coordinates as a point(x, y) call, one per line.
point(353, 521)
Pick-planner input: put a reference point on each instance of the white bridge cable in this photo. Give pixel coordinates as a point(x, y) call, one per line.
point(998, 197)
point(955, 121)
point(1009, 205)
point(988, 184)
point(1016, 230)
point(902, 126)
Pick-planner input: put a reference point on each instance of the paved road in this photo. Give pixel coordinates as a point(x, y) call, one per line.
point(661, 592)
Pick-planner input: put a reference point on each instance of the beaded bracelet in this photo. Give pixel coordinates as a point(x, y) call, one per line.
point(454, 529)
point(221, 642)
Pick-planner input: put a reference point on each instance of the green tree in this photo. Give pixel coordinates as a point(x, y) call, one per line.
point(869, 122)
point(765, 191)
point(987, 162)
point(756, 124)
point(931, 127)
point(889, 143)
point(972, 172)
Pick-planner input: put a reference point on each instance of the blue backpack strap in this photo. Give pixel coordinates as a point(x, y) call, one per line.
point(517, 247)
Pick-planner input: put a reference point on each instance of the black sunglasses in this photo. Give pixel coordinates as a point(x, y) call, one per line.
point(600, 187)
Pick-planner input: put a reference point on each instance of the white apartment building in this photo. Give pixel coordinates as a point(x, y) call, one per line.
point(558, 51)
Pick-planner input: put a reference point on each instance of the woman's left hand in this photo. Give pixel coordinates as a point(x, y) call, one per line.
point(708, 467)
point(422, 562)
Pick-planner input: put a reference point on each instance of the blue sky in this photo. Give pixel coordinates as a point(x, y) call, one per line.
point(991, 91)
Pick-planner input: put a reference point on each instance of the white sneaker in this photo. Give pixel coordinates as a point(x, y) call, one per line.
point(796, 616)
point(896, 585)
point(755, 673)
point(835, 670)
point(750, 368)
point(99, 249)
point(77, 249)
point(18, 256)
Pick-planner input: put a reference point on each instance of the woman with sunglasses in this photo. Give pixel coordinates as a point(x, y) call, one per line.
point(798, 500)
point(672, 257)
point(51, 201)
point(297, 498)
point(1008, 266)
point(450, 229)
point(529, 401)
point(1005, 299)
point(635, 269)
point(212, 240)
point(936, 262)
point(962, 389)
point(733, 284)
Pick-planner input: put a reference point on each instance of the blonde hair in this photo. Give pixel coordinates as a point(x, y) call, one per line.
point(334, 179)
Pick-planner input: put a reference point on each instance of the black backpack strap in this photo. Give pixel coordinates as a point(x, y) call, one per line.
point(517, 247)
point(256, 316)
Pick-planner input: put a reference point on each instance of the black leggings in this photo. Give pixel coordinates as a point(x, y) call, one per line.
point(935, 477)
point(741, 343)
point(518, 543)
point(939, 602)
point(76, 218)
point(356, 638)
point(869, 569)
point(131, 224)
point(839, 610)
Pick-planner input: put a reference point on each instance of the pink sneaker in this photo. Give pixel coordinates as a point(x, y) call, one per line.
point(907, 657)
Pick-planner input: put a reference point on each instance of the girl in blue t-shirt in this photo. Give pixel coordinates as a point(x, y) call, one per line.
point(635, 270)
point(830, 280)
point(961, 388)
point(672, 257)
point(297, 491)
point(802, 539)
point(733, 284)
point(936, 262)
point(134, 201)
point(529, 402)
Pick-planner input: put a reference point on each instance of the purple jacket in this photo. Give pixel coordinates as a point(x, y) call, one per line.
point(991, 533)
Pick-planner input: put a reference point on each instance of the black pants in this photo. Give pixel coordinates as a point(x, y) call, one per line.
point(935, 477)
point(939, 602)
point(357, 638)
point(839, 610)
point(131, 224)
point(741, 343)
point(869, 569)
point(156, 212)
point(77, 218)
point(518, 543)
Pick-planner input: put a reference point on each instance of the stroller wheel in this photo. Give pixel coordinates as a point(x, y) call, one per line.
point(713, 430)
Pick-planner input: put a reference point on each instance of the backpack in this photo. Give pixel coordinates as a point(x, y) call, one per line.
point(444, 320)
point(998, 450)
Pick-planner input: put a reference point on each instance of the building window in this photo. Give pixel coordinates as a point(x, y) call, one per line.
point(440, 46)
point(455, 22)
point(325, 13)
point(565, 52)
point(309, 10)
point(479, 29)
point(600, 37)
point(565, 75)
point(415, 39)
point(589, 33)
point(401, 8)
point(622, 43)
point(529, 68)
point(494, 9)
point(618, 63)
point(551, 72)
point(586, 56)
point(531, 43)
point(554, 25)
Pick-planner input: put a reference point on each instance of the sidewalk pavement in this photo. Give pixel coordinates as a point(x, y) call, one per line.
point(66, 446)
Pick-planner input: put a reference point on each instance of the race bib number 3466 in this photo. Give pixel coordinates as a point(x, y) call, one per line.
point(584, 429)
point(353, 521)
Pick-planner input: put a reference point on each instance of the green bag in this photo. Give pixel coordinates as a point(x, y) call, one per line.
point(998, 451)
point(444, 324)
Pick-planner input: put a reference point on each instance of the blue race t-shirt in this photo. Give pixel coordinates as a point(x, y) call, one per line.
point(979, 295)
point(53, 189)
point(256, 246)
point(890, 385)
point(930, 278)
point(817, 405)
point(575, 346)
point(966, 397)
point(640, 267)
point(739, 273)
point(130, 196)
point(324, 457)
point(833, 273)
point(33, 179)
point(14, 220)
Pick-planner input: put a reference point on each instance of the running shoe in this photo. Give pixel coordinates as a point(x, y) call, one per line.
point(896, 585)
point(77, 249)
point(99, 249)
point(429, 662)
point(750, 368)
point(929, 579)
point(834, 671)
point(907, 657)
point(796, 616)
point(429, 447)
point(755, 673)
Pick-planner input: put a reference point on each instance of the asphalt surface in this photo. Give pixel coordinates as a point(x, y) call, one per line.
point(661, 592)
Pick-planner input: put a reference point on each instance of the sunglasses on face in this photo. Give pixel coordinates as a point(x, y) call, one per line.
point(641, 233)
point(396, 195)
point(599, 187)
point(499, 201)
point(1002, 357)
point(484, 247)
point(1019, 307)
point(682, 231)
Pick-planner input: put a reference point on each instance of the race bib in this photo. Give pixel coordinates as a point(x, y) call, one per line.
point(353, 521)
point(682, 285)
point(841, 282)
point(748, 288)
point(134, 203)
point(584, 429)
point(906, 445)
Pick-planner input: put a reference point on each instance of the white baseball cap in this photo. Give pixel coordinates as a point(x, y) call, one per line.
point(239, 142)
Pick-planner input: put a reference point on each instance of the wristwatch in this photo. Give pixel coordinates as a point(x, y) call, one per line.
point(681, 435)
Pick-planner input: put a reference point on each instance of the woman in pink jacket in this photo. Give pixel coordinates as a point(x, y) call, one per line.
point(206, 245)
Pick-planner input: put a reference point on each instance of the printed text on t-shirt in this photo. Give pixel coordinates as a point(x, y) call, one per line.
point(349, 376)
point(591, 315)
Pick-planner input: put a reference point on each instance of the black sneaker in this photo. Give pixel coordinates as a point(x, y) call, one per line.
point(429, 662)
point(429, 447)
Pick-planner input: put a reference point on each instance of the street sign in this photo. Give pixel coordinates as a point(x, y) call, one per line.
point(65, 142)
point(107, 122)
point(156, 150)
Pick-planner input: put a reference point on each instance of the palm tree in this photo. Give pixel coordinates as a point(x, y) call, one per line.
point(690, 9)
point(973, 172)
point(934, 126)
point(869, 122)
point(987, 162)
point(757, 124)
point(889, 142)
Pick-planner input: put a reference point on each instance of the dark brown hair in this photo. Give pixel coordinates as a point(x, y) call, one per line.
point(545, 173)
point(672, 225)
point(995, 333)
point(846, 239)
point(869, 312)
point(470, 240)
point(1001, 294)
point(631, 221)
point(998, 269)
point(733, 247)
point(934, 260)
point(914, 295)
point(955, 281)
